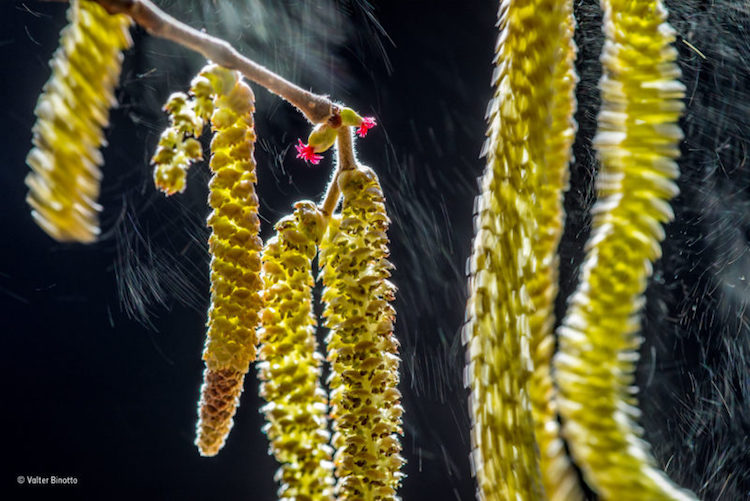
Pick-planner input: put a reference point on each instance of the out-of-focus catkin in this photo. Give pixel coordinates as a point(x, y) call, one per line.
point(509, 311)
point(71, 113)
point(296, 413)
point(559, 477)
point(365, 401)
point(637, 143)
point(235, 248)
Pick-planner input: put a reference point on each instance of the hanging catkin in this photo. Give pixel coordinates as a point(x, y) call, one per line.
point(509, 311)
point(72, 112)
point(178, 147)
point(290, 369)
point(560, 480)
point(235, 248)
point(365, 401)
point(637, 142)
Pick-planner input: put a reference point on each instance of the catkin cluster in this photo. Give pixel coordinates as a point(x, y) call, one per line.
point(362, 350)
point(296, 413)
point(71, 113)
point(220, 95)
point(518, 223)
point(245, 288)
point(637, 142)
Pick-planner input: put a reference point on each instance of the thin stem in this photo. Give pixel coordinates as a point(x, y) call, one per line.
point(346, 161)
point(315, 107)
point(333, 193)
point(345, 149)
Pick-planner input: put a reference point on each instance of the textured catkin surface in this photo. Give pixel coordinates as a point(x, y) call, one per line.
point(637, 142)
point(365, 401)
point(559, 478)
point(72, 112)
point(296, 413)
point(235, 254)
point(178, 147)
point(511, 258)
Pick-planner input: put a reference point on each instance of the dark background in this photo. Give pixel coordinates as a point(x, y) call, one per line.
point(101, 344)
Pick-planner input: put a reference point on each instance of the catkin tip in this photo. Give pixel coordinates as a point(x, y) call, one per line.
point(220, 394)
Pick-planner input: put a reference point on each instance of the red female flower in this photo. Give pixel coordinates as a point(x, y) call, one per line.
point(307, 153)
point(367, 124)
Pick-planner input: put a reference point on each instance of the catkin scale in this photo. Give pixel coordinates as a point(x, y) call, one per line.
point(296, 412)
point(637, 143)
point(518, 221)
point(71, 113)
point(365, 401)
point(235, 251)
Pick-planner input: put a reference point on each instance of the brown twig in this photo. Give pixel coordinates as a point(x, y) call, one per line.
point(315, 107)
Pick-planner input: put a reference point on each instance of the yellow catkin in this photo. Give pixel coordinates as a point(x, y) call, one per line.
point(365, 401)
point(290, 369)
point(72, 112)
point(637, 143)
point(506, 332)
point(235, 254)
point(559, 477)
point(178, 147)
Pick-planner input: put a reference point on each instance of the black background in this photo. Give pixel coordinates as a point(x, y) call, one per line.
point(101, 344)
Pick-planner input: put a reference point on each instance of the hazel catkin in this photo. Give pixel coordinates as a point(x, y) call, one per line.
point(637, 142)
point(235, 248)
point(72, 112)
point(365, 401)
point(297, 408)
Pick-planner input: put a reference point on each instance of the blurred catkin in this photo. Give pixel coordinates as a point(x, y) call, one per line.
point(296, 413)
point(637, 143)
point(235, 248)
point(512, 277)
point(560, 480)
point(365, 400)
point(72, 112)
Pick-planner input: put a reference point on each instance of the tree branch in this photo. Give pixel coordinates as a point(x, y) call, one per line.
point(315, 107)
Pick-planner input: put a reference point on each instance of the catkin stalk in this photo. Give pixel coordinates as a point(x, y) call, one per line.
point(296, 413)
point(365, 401)
point(637, 142)
point(72, 112)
